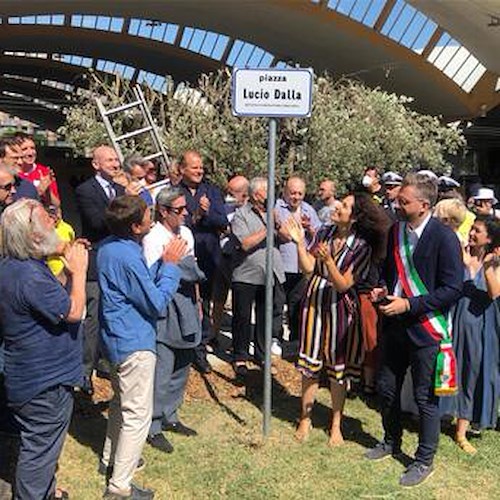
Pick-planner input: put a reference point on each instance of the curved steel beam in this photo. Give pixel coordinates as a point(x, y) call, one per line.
point(162, 58)
point(307, 33)
point(36, 90)
point(35, 113)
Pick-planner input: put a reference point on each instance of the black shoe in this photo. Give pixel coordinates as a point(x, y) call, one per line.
point(107, 470)
point(382, 451)
point(416, 474)
point(240, 369)
point(160, 442)
point(178, 428)
point(136, 493)
point(203, 366)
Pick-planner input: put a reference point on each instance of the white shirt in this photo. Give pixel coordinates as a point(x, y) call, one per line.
point(413, 236)
point(106, 186)
point(158, 237)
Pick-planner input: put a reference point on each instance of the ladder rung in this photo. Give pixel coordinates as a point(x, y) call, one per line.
point(123, 108)
point(134, 133)
point(154, 155)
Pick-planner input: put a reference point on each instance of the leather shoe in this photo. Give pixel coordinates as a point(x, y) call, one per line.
point(178, 428)
point(160, 442)
point(136, 493)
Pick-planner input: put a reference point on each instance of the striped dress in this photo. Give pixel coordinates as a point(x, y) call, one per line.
point(330, 329)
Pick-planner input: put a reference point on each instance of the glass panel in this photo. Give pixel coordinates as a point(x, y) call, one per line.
point(393, 16)
point(373, 13)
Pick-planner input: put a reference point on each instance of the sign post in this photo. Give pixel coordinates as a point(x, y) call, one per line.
point(274, 94)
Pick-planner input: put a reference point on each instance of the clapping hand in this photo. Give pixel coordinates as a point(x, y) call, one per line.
point(294, 230)
point(76, 258)
point(174, 251)
point(133, 189)
point(44, 183)
point(204, 204)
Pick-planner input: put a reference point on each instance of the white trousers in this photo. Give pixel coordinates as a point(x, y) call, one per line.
point(129, 419)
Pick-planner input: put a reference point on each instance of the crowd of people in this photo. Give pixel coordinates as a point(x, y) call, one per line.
point(398, 274)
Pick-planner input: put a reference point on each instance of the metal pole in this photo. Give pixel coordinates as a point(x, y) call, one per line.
point(269, 274)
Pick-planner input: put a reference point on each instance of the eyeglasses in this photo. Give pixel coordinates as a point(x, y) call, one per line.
point(177, 210)
point(7, 187)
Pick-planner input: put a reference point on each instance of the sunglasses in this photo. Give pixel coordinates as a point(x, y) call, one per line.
point(7, 187)
point(177, 210)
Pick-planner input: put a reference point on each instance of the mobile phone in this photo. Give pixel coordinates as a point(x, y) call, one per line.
point(384, 301)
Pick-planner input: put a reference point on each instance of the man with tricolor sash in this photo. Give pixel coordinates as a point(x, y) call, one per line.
point(422, 280)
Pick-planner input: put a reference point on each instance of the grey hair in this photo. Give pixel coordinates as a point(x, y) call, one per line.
point(427, 188)
point(131, 161)
point(23, 235)
point(256, 183)
point(167, 195)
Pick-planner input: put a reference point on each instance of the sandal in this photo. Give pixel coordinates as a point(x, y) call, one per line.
point(60, 494)
point(303, 430)
point(465, 445)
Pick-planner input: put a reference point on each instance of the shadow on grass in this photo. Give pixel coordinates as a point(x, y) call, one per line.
point(213, 394)
point(286, 407)
point(88, 425)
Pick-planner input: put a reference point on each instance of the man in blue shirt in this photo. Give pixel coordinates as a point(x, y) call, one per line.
point(40, 325)
point(293, 205)
point(131, 303)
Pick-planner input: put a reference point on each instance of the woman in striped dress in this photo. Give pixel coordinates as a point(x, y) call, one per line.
point(330, 333)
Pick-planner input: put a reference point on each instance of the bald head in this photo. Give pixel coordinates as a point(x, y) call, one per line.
point(295, 191)
point(105, 162)
point(237, 187)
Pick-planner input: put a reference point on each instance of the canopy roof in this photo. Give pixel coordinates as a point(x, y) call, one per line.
point(442, 53)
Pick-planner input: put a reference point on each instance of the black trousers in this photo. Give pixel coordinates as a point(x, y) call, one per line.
point(244, 296)
point(398, 352)
point(295, 287)
point(91, 342)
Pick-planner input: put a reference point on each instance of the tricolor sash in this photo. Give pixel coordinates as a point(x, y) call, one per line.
point(435, 323)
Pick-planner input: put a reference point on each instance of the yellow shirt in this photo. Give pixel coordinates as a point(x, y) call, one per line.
point(66, 233)
point(464, 229)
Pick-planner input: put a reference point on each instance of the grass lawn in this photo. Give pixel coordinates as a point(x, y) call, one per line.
point(230, 460)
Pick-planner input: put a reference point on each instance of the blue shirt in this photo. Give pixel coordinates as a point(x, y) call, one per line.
point(131, 301)
point(288, 249)
point(42, 350)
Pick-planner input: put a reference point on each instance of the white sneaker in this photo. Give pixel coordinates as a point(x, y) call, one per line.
point(276, 348)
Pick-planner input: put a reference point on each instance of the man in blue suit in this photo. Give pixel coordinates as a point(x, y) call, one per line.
point(207, 219)
point(437, 259)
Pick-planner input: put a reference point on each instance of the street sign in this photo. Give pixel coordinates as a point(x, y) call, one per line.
point(277, 93)
point(272, 93)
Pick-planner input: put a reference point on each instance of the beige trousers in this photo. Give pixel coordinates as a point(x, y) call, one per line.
point(130, 413)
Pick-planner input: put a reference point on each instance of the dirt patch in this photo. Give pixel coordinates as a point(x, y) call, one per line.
point(222, 383)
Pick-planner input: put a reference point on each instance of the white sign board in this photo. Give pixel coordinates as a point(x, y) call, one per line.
point(272, 92)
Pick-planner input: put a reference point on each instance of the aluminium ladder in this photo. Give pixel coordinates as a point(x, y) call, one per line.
point(150, 127)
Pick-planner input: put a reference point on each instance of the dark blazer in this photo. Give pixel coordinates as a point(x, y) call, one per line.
point(438, 260)
point(92, 202)
point(206, 231)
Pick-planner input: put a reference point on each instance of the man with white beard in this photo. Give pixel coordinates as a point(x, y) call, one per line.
point(43, 357)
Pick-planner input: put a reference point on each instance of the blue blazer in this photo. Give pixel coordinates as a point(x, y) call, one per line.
point(206, 231)
point(92, 201)
point(438, 260)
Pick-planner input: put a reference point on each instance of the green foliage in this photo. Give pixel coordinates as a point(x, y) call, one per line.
point(351, 127)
